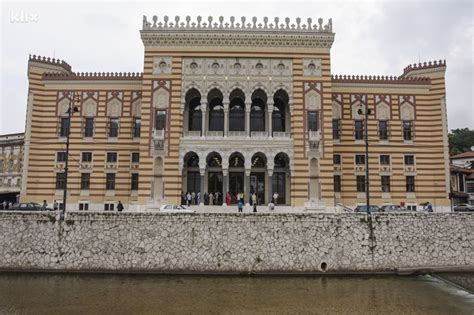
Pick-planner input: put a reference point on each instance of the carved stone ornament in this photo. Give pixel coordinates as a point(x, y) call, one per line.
point(161, 65)
point(114, 108)
point(312, 67)
point(90, 108)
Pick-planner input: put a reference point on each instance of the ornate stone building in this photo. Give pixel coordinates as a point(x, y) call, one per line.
point(237, 106)
point(11, 166)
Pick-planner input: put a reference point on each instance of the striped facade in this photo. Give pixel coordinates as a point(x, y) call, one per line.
point(186, 58)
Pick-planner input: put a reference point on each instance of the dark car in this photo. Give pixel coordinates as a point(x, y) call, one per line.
point(464, 207)
point(392, 208)
point(364, 209)
point(27, 206)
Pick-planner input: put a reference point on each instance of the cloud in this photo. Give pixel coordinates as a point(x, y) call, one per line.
point(378, 38)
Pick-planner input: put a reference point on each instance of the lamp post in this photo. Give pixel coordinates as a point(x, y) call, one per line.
point(366, 114)
point(71, 110)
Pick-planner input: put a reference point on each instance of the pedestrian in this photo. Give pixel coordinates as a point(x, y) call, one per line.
point(198, 198)
point(188, 198)
point(10, 205)
point(120, 206)
point(211, 199)
point(55, 205)
point(4, 205)
point(271, 206)
point(193, 198)
point(183, 198)
point(254, 207)
point(228, 198)
point(216, 198)
point(429, 207)
point(206, 198)
point(242, 198)
point(275, 198)
point(254, 199)
point(44, 206)
point(240, 205)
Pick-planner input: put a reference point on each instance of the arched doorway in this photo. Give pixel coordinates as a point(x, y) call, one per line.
point(257, 110)
point(280, 117)
point(281, 171)
point(191, 172)
point(214, 178)
point(258, 177)
point(236, 175)
point(237, 110)
point(216, 110)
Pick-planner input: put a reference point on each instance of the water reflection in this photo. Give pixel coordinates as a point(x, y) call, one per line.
point(148, 294)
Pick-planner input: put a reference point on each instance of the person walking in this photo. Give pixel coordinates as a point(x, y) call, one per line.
point(4, 205)
point(254, 202)
point(198, 198)
point(120, 206)
point(216, 198)
point(275, 198)
point(44, 206)
point(228, 198)
point(429, 207)
point(206, 199)
point(193, 198)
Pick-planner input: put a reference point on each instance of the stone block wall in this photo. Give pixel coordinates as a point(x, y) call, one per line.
point(237, 243)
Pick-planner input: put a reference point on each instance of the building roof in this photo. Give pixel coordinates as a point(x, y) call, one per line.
point(468, 154)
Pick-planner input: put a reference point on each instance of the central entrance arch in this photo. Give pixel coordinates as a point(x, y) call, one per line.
point(214, 178)
point(236, 175)
point(258, 176)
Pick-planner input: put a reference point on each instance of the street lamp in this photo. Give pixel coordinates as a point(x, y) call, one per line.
point(366, 114)
point(70, 111)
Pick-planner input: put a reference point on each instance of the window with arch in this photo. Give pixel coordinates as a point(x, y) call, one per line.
point(236, 160)
point(237, 111)
point(214, 161)
point(281, 101)
point(257, 111)
point(258, 160)
point(216, 110)
point(193, 102)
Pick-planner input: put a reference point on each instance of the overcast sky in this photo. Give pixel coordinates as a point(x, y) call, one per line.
point(380, 38)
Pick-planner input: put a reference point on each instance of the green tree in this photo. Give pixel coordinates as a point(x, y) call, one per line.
point(460, 140)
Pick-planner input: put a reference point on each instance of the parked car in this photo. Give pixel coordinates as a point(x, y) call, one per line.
point(464, 207)
point(175, 209)
point(26, 206)
point(392, 208)
point(364, 209)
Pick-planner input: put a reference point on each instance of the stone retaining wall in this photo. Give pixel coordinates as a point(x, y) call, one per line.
point(235, 242)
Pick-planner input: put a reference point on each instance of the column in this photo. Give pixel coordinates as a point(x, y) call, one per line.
point(269, 184)
point(225, 178)
point(247, 118)
point(202, 173)
point(270, 120)
point(203, 124)
point(247, 186)
point(226, 118)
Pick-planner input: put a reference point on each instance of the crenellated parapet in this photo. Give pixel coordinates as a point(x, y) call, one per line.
point(424, 65)
point(234, 33)
point(94, 76)
point(283, 25)
point(50, 61)
point(377, 79)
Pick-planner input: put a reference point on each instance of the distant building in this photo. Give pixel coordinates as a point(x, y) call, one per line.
point(462, 178)
point(237, 106)
point(11, 166)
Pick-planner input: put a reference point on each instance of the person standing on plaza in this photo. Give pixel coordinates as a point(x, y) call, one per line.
point(228, 198)
point(275, 198)
point(198, 198)
point(211, 199)
point(44, 206)
point(4, 205)
point(55, 205)
point(120, 206)
point(188, 199)
point(254, 199)
point(240, 205)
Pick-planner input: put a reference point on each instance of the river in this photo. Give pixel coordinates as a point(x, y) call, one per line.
point(152, 294)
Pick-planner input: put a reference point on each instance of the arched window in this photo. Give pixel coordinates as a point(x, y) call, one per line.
point(193, 101)
point(192, 160)
point(281, 160)
point(259, 160)
point(216, 110)
point(257, 111)
point(236, 160)
point(279, 111)
point(214, 160)
point(237, 111)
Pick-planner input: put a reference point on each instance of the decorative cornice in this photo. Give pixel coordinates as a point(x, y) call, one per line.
point(94, 76)
point(232, 25)
point(231, 34)
point(379, 79)
point(50, 61)
point(424, 65)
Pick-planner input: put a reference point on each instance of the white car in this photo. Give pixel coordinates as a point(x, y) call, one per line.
point(175, 209)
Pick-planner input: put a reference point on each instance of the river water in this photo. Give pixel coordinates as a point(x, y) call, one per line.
point(152, 294)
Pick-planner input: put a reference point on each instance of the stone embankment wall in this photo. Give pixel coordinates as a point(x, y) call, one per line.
point(240, 243)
